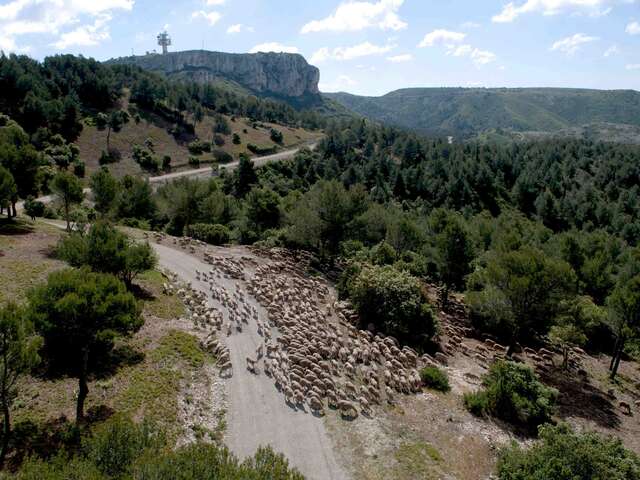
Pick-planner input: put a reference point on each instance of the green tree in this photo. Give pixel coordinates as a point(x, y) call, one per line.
point(561, 454)
point(69, 190)
point(104, 187)
point(115, 122)
point(392, 300)
point(8, 190)
point(263, 209)
point(513, 393)
point(518, 293)
point(78, 312)
point(18, 355)
point(456, 253)
point(245, 176)
point(107, 250)
point(624, 305)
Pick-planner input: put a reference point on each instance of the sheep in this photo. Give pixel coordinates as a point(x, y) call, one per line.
point(252, 365)
point(625, 406)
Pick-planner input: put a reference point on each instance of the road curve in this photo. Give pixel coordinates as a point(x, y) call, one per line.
point(257, 414)
point(206, 171)
point(198, 172)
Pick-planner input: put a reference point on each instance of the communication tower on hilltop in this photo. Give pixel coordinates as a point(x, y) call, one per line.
point(164, 40)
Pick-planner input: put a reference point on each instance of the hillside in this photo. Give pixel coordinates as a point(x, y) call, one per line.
point(282, 76)
point(464, 112)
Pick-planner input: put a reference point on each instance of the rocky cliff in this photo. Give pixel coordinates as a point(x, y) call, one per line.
point(266, 74)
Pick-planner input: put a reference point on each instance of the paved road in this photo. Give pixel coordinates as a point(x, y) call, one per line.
point(199, 172)
point(257, 414)
point(206, 171)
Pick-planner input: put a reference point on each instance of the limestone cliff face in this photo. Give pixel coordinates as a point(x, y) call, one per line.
point(280, 74)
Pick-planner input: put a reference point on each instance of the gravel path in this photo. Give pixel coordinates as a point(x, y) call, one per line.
point(257, 414)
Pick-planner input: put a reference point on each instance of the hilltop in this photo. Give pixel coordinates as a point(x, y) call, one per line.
point(467, 112)
point(283, 76)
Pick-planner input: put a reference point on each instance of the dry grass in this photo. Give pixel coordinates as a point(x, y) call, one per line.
point(26, 257)
point(93, 141)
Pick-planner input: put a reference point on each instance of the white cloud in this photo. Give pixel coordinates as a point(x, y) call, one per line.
point(633, 28)
point(572, 44)
point(239, 27)
point(633, 66)
point(468, 25)
point(341, 83)
point(212, 3)
point(211, 17)
point(453, 43)
point(273, 47)
point(86, 35)
point(406, 57)
point(89, 20)
point(479, 57)
point(349, 53)
point(441, 36)
point(594, 8)
point(351, 16)
point(611, 51)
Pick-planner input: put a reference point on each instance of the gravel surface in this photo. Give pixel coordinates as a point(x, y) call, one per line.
point(257, 414)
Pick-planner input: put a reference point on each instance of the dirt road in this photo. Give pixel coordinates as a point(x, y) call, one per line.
point(257, 414)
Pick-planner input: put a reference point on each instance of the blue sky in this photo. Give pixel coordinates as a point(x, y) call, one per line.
point(367, 47)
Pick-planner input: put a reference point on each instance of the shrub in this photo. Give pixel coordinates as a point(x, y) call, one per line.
point(194, 161)
point(79, 168)
point(222, 157)
point(236, 139)
point(513, 393)
point(117, 443)
point(257, 150)
point(198, 148)
point(276, 136)
point(145, 159)
point(561, 454)
point(218, 140)
point(435, 378)
point(112, 155)
point(212, 234)
point(166, 162)
point(34, 208)
point(390, 299)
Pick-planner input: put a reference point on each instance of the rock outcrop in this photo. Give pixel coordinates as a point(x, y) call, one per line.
point(277, 74)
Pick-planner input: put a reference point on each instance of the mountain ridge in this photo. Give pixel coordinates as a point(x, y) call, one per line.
point(285, 76)
point(466, 112)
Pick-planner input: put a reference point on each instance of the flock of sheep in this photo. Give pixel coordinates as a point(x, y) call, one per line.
point(315, 355)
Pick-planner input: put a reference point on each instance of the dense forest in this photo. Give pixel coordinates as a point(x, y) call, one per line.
point(540, 236)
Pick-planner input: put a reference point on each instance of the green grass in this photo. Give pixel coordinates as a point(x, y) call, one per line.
point(152, 387)
point(162, 306)
point(178, 345)
point(417, 460)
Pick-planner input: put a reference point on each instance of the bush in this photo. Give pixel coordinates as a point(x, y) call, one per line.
point(34, 208)
point(79, 168)
point(255, 149)
point(236, 139)
point(513, 393)
point(117, 443)
point(194, 162)
point(198, 148)
point(212, 234)
point(112, 155)
point(166, 163)
point(222, 157)
point(219, 140)
point(145, 159)
point(562, 454)
point(435, 378)
point(390, 299)
point(276, 136)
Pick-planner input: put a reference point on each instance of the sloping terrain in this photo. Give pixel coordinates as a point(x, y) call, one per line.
point(464, 112)
point(92, 141)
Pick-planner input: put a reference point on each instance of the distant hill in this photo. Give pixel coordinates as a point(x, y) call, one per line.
point(281, 76)
point(468, 112)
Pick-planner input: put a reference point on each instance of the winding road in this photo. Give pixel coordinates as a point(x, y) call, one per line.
point(199, 172)
point(257, 414)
